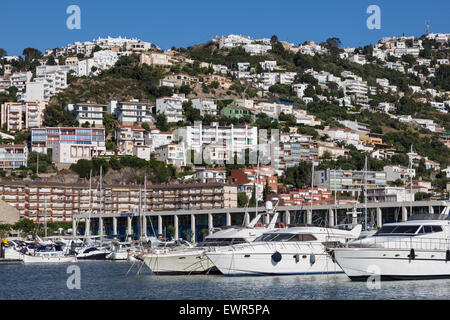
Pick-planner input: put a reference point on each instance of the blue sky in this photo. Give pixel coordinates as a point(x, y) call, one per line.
point(42, 24)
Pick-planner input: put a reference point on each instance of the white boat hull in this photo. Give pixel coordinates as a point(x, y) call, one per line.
point(27, 259)
point(257, 260)
point(392, 264)
point(183, 262)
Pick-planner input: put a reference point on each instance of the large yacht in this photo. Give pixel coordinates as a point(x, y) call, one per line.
point(193, 260)
point(415, 249)
point(294, 250)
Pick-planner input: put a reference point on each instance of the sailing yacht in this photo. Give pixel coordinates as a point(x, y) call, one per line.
point(415, 249)
point(193, 260)
point(293, 250)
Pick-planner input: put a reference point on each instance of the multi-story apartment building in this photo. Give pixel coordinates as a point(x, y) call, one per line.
point(247, 178)
point(292, 150)
point(171, 107)
point(128, 137)
point(20, 80)
point(394, 173)
point(131, 112)
point(45, 138)
point(62, 201)
point(350, 181)
point(206, 106)
point(217, 143)
point(174, 154)
point(16, 116)
point(13, 156)
point(45, 86)
point(155, 138)
point(211, 175)
point(11, 116)
point(88, 113)
point(302, 197)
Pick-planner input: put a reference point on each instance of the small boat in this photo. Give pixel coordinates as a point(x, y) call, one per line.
point(121, 251)
point(92, 253)
point(47, 257)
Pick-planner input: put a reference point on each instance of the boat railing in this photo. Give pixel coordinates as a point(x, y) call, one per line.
point(403, 243)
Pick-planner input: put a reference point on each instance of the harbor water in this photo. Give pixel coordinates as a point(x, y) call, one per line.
point(108, 280)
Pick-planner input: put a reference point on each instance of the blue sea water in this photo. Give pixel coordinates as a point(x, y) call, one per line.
point(108, 280)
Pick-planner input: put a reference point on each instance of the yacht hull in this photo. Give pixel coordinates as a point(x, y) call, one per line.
point(257, 260)
point(42, 259)
point(359, 264)
point(178, 263)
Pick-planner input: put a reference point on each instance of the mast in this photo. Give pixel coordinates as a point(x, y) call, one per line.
point(86, 233)
point(335, 197)
point(410, 181)
point(365, 193)
point(100, 203)
point(257, 185)
point(145, 201)
point(45, 217)
point(312, 188)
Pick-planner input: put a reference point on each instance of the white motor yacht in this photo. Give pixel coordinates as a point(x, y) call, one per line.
point(415, 249)
point(294, 250)
point(193, 260)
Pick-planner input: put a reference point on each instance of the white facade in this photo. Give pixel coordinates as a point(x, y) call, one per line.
point(172, 107)
point(88, 112)
point(217, 143)
point(131, 112)
point(205, 105)
point(173, 154)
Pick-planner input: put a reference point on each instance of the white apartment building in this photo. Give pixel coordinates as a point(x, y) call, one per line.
point(129, 137)
point(45, 86)
point(217, 143)
point(131, 112)
point(20, 80)
point(102, 60)
point(255, 49)
point(211, 175)
point(286, 77)
point(172, 107)
point(232, 41)
point(88, 112)
point(347, 135)
point(206, 106)
point(65, 154)
point(399, 172)
point(156, 138)
point(300, 88)
point(268, 65)
point(173, 154)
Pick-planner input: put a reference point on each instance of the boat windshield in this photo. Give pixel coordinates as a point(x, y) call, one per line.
point(221, 242)
point(397, 230)
point(284, 237)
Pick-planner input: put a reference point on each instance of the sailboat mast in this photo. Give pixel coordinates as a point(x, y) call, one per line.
point(45, 217)
point(410, 181)
point(365, 193)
